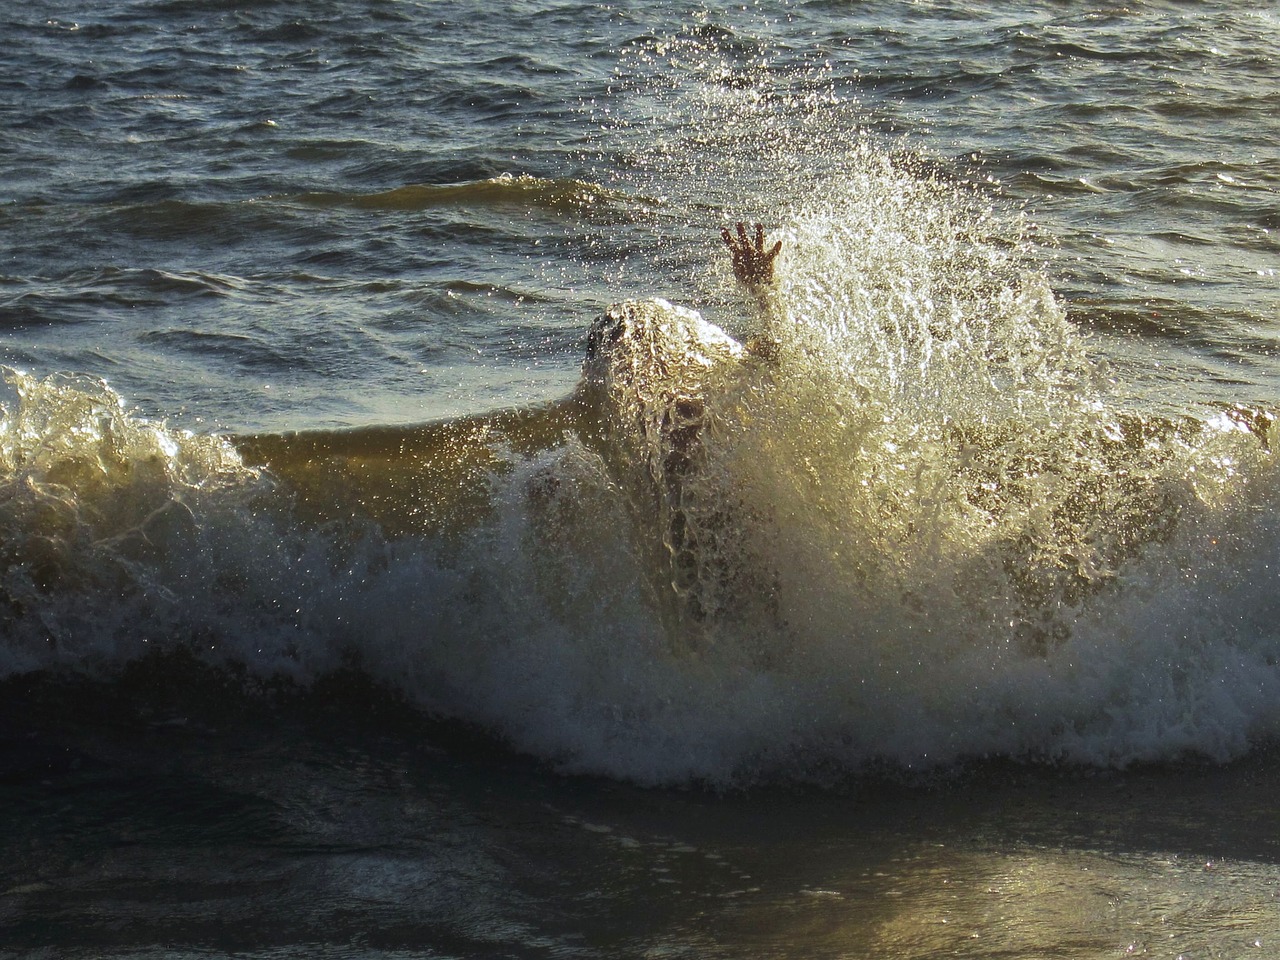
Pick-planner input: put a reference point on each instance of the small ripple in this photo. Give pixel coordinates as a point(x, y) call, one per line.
point(563, 195)
point(82, 294)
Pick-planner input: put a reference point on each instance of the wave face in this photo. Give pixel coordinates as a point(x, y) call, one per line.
point(932, 530)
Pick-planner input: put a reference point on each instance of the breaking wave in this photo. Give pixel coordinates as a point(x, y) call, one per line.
point(933, 530)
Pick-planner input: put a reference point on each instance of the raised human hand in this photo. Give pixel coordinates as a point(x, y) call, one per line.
point(752, 263)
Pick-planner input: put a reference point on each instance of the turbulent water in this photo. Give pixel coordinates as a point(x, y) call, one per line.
point(310, 510)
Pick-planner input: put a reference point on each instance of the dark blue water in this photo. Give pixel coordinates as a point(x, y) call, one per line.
point(969, 601)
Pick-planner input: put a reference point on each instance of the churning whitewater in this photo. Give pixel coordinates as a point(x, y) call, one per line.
point(932, 529)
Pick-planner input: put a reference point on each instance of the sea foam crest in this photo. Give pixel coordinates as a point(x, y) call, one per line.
point(121, 535)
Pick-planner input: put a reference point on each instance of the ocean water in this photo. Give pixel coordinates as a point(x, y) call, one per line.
point(344, 612)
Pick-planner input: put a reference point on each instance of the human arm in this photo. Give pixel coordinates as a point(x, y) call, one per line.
point(752, 263)
point(753, 266)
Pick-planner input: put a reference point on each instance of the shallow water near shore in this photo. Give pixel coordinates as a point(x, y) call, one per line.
point(335, 823)
point(338, 618)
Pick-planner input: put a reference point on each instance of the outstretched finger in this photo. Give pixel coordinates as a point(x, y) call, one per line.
point(742, 235)
point(726, 236)
point(776, 248)
point(760, 237)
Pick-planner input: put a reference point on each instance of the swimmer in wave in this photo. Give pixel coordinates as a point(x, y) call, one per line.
point(651, 367)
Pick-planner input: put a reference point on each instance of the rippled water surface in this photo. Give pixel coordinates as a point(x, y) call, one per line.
point(334, 622)
point(208, 199)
